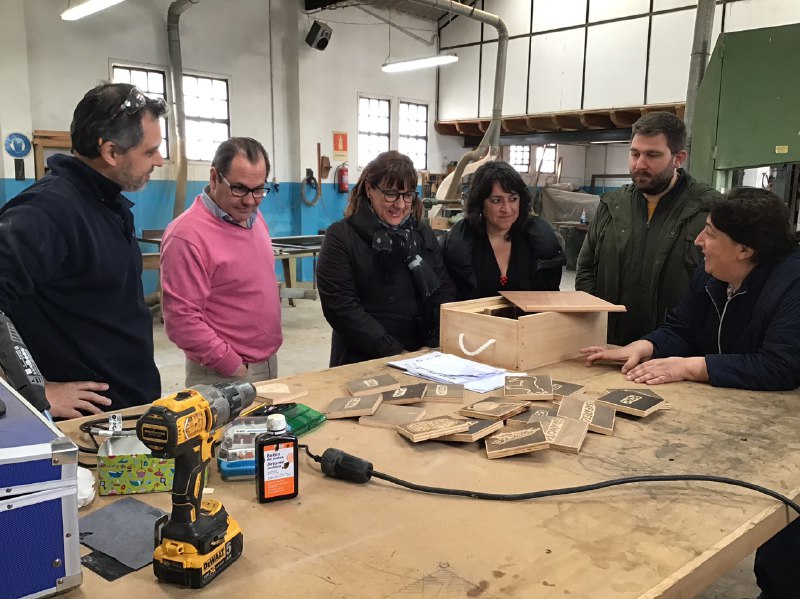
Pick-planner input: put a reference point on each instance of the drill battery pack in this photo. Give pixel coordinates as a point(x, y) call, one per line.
point(236, 454)
point(192, 556)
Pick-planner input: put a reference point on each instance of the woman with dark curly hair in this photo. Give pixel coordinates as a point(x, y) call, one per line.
point(500, 245)
point(739, 324)
point(380, 275)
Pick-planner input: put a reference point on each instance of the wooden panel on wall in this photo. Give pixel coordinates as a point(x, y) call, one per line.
point(552, 14)
point(458, 86)
point(556, 68)
point(515, 90)
point(615, 64)
point(461, 30)
point(760, 13)
point(668, 4)
point(670, 54)
point(517, 16)
point(603, 11)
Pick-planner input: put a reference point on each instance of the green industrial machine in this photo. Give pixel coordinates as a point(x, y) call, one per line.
point(747, 113)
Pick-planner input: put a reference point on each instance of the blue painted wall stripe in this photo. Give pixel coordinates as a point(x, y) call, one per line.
point(285, 212)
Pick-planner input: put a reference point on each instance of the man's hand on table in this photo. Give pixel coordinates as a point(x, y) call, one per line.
point(631, 355)
point(241, 371)
point(67, 398)
point(670, 370)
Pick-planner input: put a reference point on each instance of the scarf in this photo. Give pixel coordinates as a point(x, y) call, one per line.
point(394, 247)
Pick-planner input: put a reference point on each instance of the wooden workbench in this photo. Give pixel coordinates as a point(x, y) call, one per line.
point(339, 539)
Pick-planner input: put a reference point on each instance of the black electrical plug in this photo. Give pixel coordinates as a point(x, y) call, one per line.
point(338, 464)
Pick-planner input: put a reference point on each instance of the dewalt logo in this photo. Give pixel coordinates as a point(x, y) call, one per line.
point(212, 561)
point(154, 432)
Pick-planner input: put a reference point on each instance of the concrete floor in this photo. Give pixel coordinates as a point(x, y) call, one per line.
point(306, 347)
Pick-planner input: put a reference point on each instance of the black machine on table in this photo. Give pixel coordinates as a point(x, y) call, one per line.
point(199, 538)
point(21, 371)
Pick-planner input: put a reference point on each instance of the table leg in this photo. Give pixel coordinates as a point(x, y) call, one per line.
point(287, 275)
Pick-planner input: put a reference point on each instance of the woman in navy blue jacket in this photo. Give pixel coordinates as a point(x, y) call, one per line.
point(739, 324)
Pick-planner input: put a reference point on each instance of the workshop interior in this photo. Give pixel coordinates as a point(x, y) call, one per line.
point(232, 485)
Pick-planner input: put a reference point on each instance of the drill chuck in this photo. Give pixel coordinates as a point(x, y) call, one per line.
point(227, 400)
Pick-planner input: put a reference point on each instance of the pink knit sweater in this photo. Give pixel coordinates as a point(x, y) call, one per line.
point(220, 295)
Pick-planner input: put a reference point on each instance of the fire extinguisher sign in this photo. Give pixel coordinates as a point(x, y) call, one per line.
point(339, 146)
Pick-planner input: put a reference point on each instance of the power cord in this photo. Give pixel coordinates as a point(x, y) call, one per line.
point(92, 429)
point(338, 464)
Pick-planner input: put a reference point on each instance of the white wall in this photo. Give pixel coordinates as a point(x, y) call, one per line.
point(607, 159)
point(573, 164)
point(68, 58)
point(51, 63)
point(15, 105)
point(617, 72)
point(331, 81)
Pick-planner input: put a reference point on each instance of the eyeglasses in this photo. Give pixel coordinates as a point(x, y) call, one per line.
point(392, 195)
point(240, 191)
point(136, 100)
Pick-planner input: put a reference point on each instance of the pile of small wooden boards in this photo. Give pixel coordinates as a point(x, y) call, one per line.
point(382, 402)
point(533, 413)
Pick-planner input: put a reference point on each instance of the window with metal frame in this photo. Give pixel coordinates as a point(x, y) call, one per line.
point(152, 82)
point(520, 158)
point(548, 163)
point(208, 121)
point(374, 127)
point(413, 133)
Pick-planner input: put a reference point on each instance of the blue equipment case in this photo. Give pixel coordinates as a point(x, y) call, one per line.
point(38, 503)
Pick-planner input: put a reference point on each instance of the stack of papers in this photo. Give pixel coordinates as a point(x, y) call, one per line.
point(447, 368)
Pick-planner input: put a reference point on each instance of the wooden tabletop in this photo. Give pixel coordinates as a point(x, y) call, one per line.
point(338, 539)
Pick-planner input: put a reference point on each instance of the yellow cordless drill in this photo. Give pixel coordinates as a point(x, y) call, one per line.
point(199, 539)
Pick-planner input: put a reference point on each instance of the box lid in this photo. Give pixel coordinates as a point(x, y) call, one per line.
point(559, 301)
point(22, 424)
point(34, 454)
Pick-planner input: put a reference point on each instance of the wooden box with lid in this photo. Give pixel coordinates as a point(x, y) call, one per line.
point(521, 330)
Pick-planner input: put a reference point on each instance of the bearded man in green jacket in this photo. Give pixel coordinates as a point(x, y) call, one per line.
point(639, 250)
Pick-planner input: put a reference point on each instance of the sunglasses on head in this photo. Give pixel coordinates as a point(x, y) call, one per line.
point(136, 100)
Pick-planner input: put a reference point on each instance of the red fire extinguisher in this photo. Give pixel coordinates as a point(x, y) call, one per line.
point(342, 178)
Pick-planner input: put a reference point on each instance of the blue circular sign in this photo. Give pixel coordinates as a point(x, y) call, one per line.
point(17, 145)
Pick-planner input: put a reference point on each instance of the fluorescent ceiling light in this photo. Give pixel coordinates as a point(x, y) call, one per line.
point(87, 7)
point(418, 63)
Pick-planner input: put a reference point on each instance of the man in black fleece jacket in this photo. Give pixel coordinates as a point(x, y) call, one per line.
point(70, 267)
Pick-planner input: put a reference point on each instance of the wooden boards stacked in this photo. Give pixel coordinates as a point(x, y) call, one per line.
point(273, 393)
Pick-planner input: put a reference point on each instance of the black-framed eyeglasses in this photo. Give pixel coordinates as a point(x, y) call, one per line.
point(392, 195)
point(240, 191)
point(136, 100)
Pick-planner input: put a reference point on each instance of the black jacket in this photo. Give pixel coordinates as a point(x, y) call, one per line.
point(546, 260)
point(751, 341)
point(70, 280)
point(369, 319)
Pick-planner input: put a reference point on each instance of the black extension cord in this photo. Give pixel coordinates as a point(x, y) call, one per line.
point(86, 427)
point(338, 464)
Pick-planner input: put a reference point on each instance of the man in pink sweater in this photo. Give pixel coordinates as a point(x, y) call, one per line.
point(220, 295)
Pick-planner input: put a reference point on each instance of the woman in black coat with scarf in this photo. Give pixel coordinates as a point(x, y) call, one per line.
point(380, 273)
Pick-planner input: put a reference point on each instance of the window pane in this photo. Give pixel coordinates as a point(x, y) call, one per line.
point(152, 83)
point(207, 120)
point(204, 88)
point(191, 106)
point(155, 83)
point(121, 75)
point(189, 86)
point(220, 89)
point(373, 127)
point(139, 79)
